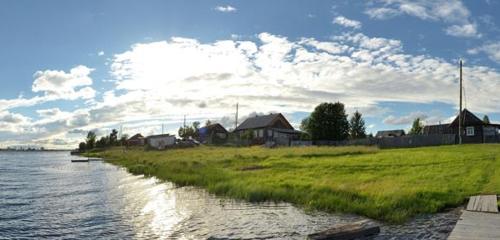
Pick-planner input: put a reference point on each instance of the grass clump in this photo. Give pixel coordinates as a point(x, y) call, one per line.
point(391, 185)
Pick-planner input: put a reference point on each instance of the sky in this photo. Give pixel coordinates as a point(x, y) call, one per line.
point(69, 67)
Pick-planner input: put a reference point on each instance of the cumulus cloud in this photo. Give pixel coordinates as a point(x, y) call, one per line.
point(277, 74)
point(492, 50)
point(451, 12)
point(161, 81)
point(226, 8)
point(65, 85)
point(405, 120)
point(465, 30)
point(345, 22)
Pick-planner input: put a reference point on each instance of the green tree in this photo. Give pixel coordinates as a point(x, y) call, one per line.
point(328, 121)
point(186, 132)
point(416, 127)
point(486, 119)
point(357, 127)
point(113, 137)
point(102, 142)
point(82, 147)
point(91, 137)
point(304, 125)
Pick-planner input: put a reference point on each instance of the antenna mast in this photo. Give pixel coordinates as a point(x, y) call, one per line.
point(460, 110)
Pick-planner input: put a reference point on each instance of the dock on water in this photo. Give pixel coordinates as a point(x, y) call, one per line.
point(480, 220)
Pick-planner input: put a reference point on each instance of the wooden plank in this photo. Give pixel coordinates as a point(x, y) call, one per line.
point(477, 225)
point(483, 203)
point(354, 230)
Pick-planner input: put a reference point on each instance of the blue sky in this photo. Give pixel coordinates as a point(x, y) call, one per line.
point(72, 66)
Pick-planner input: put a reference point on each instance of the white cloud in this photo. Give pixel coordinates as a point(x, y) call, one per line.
point(226, 8)
point(490, 49)
point(343, 21)
point(65, 85)
point(405, 120)
point(161, 81)
point(382, 13)
point(466, 30)
point(451, 12)
point(100, 53)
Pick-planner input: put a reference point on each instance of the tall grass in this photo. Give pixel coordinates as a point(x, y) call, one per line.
point(390, 185)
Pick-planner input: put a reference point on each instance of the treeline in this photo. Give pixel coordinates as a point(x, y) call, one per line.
point(91, 142)
point(329, 121)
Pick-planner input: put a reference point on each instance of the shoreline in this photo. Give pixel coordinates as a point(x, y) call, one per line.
point(258, 174)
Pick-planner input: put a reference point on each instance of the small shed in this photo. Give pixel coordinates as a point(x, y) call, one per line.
point(161, 141)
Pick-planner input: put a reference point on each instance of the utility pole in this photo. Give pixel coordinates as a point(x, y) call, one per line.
point(236, 117)
point(460, 110)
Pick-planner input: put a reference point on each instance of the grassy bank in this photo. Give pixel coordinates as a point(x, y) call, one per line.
point(390, 185)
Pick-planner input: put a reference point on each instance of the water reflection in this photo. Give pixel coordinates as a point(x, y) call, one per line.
point(43, 195)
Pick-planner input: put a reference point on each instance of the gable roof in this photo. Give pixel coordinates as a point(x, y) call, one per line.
point(137, 136)
point(160, 136)
point(469, 119)
point(390, 133)
point(262, 121)
point(213, 127)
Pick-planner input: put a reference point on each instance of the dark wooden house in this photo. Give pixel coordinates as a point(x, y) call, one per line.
point(213, 134)
point(136, 140)
point(268, 128)
point(474, 130)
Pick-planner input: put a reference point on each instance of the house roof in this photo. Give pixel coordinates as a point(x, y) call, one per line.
point(469, 119)
point(262, 121)
point(390, 133)
point(160, 136)
point(136, 136)
point(213, 127)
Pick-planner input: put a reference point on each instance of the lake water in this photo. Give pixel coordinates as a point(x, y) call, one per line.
point(44, 195)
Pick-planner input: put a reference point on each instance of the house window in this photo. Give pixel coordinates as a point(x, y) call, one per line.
point(469, 131)
point(261, 133)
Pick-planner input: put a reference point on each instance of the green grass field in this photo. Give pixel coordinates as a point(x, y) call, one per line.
point(390, 185)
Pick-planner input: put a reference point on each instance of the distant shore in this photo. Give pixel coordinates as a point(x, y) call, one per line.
point(390, 185)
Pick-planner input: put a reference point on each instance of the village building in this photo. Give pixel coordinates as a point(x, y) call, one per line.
point(136, 140)
point(272, 128)
point(474, 130)
point(390, 133)
point(213, 134)
point(161, 141)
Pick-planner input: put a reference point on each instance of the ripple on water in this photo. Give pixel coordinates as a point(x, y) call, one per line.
point(43, 195)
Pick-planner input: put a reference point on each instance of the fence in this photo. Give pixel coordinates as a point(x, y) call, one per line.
point(417, 141)
point(396, 142)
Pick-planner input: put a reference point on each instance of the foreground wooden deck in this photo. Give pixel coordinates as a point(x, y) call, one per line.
point(479, 221)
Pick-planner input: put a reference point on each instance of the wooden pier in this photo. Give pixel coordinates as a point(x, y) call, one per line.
point(479, 221)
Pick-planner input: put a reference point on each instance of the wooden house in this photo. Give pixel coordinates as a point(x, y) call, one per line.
point(474, 130)
point(136, 140)
point(268, 128)
point(213, 134)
